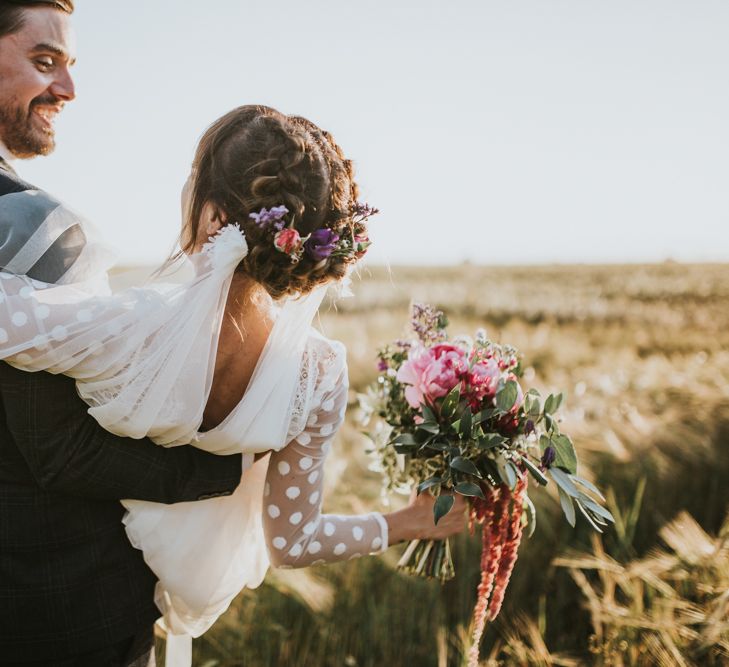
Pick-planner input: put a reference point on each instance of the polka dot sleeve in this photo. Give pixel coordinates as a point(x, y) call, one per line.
point(55, 327)
point(297, 533)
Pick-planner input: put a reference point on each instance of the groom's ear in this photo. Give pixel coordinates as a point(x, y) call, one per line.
point(212, 218)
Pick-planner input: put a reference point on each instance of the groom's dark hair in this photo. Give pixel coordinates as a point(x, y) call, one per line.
point(11, 12)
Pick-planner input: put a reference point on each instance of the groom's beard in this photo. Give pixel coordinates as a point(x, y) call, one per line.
point(21, 132)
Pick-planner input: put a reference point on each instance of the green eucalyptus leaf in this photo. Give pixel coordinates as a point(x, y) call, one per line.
point(534, 409)
point(466, 424)
point(464, 465)
point(428, 414)
point(405, 439)
point(535, 471)
point(470, 489)
point(564, 482)
point(426, 484)
point(429, 427)
point(566, 457)
point(443, 504)
point(588, 516)
point(596, 509)
point(514, 473)
point(568, 507)
point(506, 396)
point(589, 486)
point(549, 404)
point(491, 440)
point(450, 402)
point(483, 415)
point(507, 472)
point(438, 446)
point(531, 513)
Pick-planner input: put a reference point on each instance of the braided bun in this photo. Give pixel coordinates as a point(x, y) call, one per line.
point(255, 157)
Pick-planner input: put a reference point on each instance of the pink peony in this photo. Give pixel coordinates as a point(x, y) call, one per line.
point(482, 382)
point(287, 241)
point(431, 372)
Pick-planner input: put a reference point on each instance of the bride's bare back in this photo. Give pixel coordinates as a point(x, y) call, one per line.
point(246, 325)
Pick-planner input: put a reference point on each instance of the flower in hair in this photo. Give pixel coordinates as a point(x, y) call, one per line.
point(321, 243)
point(270, 218)
point(288, 241)
point(363, 210)
point(360, 245)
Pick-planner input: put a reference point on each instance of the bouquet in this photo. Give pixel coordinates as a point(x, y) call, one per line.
point(450, 416)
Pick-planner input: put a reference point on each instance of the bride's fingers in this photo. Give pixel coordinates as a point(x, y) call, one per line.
point(452, 523)
point(455, 521)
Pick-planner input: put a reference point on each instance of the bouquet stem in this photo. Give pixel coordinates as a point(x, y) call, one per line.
point(428, 558)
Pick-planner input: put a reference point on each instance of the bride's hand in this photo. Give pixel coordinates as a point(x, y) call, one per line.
point(416, 520)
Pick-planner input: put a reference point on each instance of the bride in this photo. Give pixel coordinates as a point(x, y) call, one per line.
point(228, 362)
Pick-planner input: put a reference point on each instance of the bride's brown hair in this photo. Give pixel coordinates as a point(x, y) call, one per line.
point(255, 157)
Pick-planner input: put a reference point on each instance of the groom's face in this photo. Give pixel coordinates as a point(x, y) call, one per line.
point(36, 81)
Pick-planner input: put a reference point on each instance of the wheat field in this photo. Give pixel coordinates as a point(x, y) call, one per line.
point(642, 353)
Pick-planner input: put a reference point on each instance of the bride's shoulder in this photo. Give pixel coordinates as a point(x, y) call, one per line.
point(325, 363)
point(323, 369)
point(326, 352)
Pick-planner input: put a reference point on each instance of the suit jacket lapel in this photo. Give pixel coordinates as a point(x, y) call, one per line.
point(6, 167)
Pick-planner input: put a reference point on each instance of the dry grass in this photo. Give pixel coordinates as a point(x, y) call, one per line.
point(643, 354)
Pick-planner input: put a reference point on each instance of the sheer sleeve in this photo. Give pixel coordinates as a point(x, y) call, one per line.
point(142, 356)
point(297, 533)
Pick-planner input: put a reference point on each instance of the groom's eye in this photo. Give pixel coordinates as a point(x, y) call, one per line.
point(44, 64)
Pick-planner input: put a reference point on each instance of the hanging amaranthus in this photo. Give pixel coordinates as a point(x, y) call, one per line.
point(500, 517)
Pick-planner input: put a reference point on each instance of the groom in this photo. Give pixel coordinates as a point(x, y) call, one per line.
point(73, 591)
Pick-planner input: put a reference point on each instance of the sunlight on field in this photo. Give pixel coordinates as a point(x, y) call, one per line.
point(643, 355)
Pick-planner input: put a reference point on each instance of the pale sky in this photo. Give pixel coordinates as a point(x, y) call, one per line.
point(526, 131)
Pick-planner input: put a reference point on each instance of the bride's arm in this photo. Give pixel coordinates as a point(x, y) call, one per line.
point(298, 534)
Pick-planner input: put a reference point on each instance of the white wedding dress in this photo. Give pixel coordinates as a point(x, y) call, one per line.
point(143, 360)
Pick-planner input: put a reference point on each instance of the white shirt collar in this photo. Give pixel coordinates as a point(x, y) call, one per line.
point(5, 154)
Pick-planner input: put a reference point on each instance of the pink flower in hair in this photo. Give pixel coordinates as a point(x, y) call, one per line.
point(287, 241)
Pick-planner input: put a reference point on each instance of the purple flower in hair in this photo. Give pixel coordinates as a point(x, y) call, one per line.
point(321, 244)
point(364, 210)
point(273, 217)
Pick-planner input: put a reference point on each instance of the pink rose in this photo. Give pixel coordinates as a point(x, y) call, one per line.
point(361, 243)
point(287, 241)
point(431, 373)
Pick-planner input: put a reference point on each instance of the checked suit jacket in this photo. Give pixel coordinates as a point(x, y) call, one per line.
point(70, 581)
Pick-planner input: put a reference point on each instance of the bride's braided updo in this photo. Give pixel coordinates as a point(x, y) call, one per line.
point(255, 157)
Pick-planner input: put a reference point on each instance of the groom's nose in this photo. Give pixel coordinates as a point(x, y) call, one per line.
point(63, 86)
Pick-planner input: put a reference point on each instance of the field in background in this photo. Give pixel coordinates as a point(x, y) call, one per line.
point(643, 354)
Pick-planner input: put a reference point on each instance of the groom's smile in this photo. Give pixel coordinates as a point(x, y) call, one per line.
point(35, 62)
